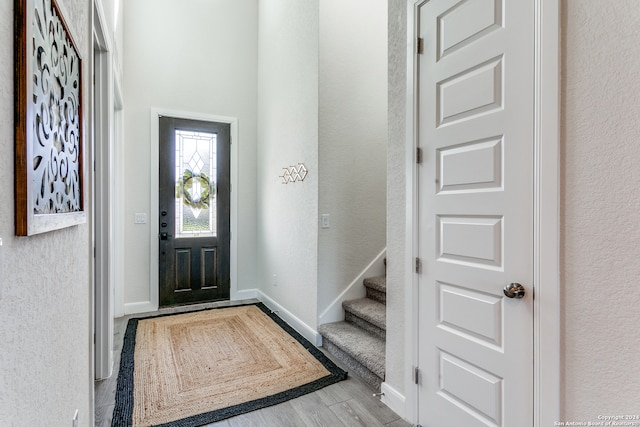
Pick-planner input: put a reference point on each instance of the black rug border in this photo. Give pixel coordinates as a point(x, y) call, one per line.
point(123, 411)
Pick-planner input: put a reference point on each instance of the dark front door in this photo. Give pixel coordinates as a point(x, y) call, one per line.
point(194, 211)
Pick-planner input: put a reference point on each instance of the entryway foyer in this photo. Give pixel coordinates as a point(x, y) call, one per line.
point(266, 63)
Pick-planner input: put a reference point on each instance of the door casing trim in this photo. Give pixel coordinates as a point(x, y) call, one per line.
point(102, 195)
point(546, 334)
point(155, 114)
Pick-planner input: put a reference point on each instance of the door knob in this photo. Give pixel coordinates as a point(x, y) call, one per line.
point(514, 290)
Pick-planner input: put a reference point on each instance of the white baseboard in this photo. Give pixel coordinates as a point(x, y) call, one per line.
point(140, 307)
point(303, 329)
point(244, 294)
point(393, 399)
point(355, 290)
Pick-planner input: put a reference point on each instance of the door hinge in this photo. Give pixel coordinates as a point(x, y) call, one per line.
point(418, 265)
point(418, 155)
point(416, 375)
point(420, 46)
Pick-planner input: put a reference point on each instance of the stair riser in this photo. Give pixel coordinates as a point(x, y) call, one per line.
point(377, 295)
point(356, 367)
point(362, 323)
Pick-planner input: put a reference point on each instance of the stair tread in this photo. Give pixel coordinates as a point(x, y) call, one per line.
point(364, 347)
point(372, 311)
point(378, 283)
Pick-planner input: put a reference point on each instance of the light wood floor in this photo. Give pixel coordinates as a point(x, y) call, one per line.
point(348, 403)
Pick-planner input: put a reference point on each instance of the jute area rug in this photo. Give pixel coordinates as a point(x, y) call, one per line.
point(192, 369)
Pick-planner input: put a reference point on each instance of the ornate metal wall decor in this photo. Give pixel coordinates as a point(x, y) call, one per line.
point(294, 173)
point(48, 119)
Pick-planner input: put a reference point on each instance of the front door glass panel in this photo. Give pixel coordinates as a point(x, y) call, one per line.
point(195, 214)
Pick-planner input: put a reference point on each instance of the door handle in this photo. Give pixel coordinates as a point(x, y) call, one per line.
point(514, 290)
point(164, 235)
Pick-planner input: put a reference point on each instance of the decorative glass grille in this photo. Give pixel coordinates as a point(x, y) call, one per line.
point(195, 184)
point(56, 168)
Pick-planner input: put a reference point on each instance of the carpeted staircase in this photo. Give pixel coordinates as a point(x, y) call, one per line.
point(359, 341)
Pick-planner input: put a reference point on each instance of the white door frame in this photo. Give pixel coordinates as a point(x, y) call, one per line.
point(102, 197)
point(155, 114)
point(118, 193)
point(546, 332)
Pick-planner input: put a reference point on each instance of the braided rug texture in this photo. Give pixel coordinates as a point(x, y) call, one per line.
point(192, 369)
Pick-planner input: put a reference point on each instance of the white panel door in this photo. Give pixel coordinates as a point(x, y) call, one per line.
point(475, 127)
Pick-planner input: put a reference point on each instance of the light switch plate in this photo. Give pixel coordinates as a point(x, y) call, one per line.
point(141, 218)
point(326, 221)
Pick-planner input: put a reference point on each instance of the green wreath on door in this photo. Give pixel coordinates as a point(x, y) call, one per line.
point(184, 187)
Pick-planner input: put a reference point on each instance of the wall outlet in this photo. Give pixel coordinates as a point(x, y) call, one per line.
point(325, 221)
point(140, 218)
point(74, 422)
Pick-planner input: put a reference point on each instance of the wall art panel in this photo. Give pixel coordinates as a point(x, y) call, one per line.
point(48, 120)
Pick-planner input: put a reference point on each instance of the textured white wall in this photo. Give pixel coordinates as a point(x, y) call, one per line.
point(397, 276)
point(198, 57)
point(601, 208)
point(352, 140)
point(45, 291)
point(288, 130)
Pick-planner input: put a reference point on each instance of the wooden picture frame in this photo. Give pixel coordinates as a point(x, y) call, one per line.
point(49, 170)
